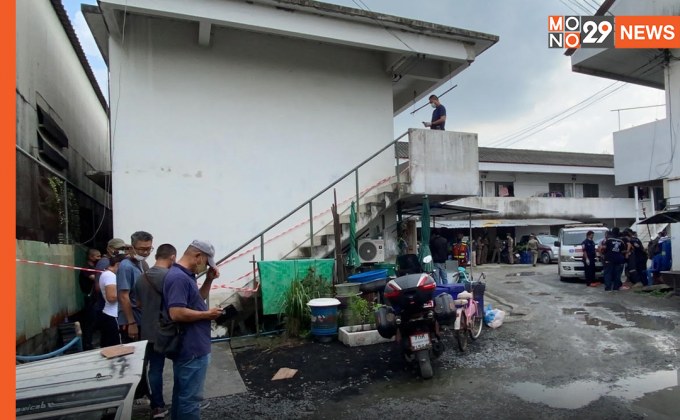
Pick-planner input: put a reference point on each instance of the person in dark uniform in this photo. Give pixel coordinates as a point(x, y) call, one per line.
point(589, 254)
point(614, 258)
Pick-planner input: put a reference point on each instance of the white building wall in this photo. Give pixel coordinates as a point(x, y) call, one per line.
point(219, 142)
point(643, 153)
point(48, 72)
point(584, 209)
point(528, 184)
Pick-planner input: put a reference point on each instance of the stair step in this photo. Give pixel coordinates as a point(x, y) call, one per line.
point(367, 207)
point(322, 249)
point(387, 188)
point(322, 238)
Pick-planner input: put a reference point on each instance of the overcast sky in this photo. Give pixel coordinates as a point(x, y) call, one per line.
point(513, 86)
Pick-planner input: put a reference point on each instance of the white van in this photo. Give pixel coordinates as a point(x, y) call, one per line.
point(570, 261)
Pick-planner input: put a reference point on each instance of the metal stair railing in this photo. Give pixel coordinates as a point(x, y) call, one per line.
point(309, 201)
point(345, 211)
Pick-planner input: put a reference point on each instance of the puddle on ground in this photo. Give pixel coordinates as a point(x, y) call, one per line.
point(539, 294)
point(512, 282)
point(651, 389)
point(521, 274)
point(597, 322)
point(648, 322)
point(573, 311)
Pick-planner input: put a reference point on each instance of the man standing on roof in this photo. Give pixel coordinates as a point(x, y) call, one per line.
point(438, 115)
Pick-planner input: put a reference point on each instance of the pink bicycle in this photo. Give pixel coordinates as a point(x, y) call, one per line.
point(469, 318)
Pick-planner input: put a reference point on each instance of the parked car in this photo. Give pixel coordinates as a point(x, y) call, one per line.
point(547, 251)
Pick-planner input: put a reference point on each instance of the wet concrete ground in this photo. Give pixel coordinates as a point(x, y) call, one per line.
point(565, 351)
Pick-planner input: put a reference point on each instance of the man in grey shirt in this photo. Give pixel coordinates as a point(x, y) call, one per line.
point(149, 292)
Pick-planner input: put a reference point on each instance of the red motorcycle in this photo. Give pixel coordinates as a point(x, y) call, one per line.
point(413, 316)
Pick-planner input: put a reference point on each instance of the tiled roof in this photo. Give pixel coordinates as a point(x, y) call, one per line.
point(542, 157)
point(71, 34)
point(533, 157)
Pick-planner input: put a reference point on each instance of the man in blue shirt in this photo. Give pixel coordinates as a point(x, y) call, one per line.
point(438, 115)
point(185, 304)
point(129, 315)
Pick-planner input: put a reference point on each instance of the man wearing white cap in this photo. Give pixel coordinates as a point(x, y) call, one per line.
point(185, 304)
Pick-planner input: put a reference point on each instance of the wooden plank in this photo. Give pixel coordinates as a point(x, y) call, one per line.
point(116, 351)
point(284, 373)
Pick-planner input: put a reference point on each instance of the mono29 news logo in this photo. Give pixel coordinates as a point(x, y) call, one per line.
point(614, 32)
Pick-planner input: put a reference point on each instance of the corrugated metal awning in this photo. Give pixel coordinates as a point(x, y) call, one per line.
point(490, 223)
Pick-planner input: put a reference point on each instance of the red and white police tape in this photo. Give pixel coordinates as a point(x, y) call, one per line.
point(71, 267)
point(58, 265)
point(237, 256)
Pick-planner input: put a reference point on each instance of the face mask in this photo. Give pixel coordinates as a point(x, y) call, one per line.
point(433, 105)
point(140, 258)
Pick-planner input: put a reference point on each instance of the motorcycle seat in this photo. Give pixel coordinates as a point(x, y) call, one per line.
point(464, 295)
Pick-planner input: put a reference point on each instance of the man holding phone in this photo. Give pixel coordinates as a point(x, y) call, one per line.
point(438, 115)
point(186, 304)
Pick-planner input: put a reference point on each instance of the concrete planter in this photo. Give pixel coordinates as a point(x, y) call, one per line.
point(360, 335)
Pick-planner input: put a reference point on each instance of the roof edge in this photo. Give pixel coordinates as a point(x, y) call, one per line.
point(78, 48)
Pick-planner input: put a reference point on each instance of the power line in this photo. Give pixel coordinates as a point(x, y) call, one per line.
point(534, 125)
point(568, 6)
point(526, 132)
point(367, 9)
point(580, 6)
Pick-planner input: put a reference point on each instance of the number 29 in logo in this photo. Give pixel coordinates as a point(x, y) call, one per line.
point(597, 32)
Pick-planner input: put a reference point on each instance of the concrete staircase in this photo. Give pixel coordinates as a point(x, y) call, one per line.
point(371, 206)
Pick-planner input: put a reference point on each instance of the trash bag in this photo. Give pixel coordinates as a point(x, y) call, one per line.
point(498, 317)
point(488, 314)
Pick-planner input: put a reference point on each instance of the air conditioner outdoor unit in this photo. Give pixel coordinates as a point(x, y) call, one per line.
point(371, 250)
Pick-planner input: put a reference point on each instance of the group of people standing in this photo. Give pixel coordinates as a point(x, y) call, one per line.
point(476, 254)
point(619, 252)
point(125, 298)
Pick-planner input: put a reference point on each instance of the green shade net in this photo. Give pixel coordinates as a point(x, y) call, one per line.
point(353, 256)
point(425, 236)
point(276, 277)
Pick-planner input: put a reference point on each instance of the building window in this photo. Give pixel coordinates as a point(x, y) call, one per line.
point(558, 190)
point(591, 190)
point(51, 141)
point(505, 189)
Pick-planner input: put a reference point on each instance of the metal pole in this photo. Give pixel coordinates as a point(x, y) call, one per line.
point(311, 231)
point(257, 310)
point(261, 247)
point(356, 181)
point(396, 167)
point(65, 193)
point(637, 204)
point(470, 243)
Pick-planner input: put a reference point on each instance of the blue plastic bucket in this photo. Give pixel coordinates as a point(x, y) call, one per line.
point(324, 316)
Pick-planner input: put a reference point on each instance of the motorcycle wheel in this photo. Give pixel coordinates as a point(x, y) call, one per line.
point(462, 333)
point(476, 324)
point(424, 364)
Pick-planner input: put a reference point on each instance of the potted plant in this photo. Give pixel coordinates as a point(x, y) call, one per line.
point(362, 317)
point(294, 308)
